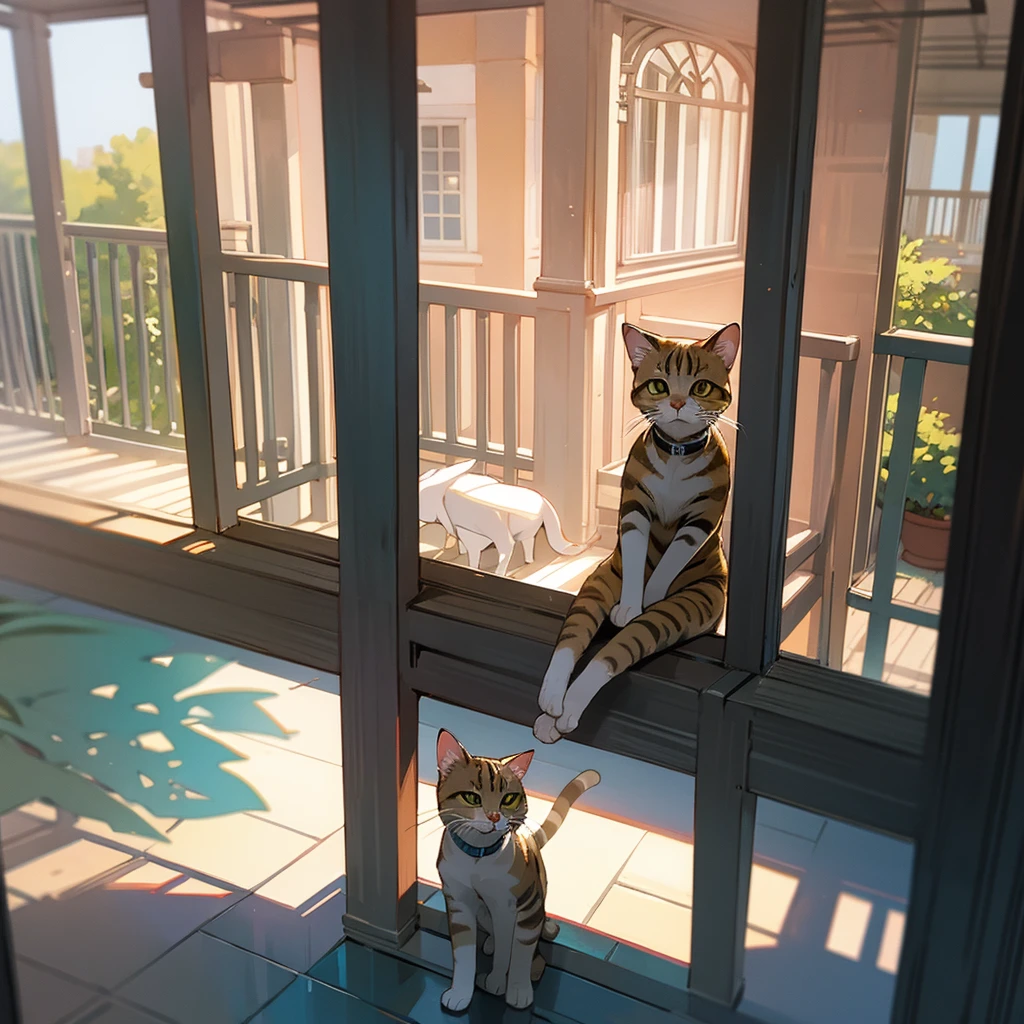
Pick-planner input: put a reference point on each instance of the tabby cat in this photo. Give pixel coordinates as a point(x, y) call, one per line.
point(666, 580)
point(491, 873)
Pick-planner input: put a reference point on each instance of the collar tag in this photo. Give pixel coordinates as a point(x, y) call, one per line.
point(690, 446)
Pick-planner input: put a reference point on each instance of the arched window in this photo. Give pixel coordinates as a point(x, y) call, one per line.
point(686, 108)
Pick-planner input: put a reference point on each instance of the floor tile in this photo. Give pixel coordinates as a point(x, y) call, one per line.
point(771, 896)
point(790, 819)
point(296, 917)
point(225, 984)
point(46, 997)
point(645, 921)
point(428, 843)
point(312, 1003)
point(409, 992)
point(238, 848)
point(58, 872)
point(314, 719)
point(301, 793)
point(582, 859)
point(583, 940)
point(327, 682)
point(662, 867)
point(109, 1011)
point(657, 968)
point(104, 935)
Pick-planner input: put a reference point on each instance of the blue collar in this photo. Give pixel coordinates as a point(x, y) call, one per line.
point(478, 851)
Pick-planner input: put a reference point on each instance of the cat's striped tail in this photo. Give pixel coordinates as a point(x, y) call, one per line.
point(572, 792)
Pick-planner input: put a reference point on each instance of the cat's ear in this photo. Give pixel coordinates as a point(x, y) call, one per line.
point(518, 763)
point(449, 752)
point(725, 344)
point(638, 344)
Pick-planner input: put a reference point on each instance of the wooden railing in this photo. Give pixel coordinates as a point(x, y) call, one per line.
point(27, 384)
point(476, 378)
point(281, 379)
point(126, 323)
point(934, 214)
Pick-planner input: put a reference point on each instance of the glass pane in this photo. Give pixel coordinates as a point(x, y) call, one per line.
point(431, 182)
point(108, 178)
point(877, 448)
point(492, 372)
point(450, 160)
point(429, 135)
point(154, 844)
point(825, 918)
point(428, 160)
point(432, 202)
point(985, 153)
point(619, 870)
point(450, 136)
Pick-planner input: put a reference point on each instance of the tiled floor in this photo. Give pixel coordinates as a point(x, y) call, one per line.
point(247, 905)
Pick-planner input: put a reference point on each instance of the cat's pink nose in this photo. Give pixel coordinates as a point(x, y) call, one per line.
point(493, 816)
point(677, 403)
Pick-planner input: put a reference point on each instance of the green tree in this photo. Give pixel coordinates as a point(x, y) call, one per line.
point(14, 194)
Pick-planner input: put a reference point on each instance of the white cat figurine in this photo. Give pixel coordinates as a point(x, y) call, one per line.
point(480, 511)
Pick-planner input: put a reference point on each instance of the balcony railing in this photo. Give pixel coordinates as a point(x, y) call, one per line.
point(934, 214)
point(476, 375)
point(126, 325)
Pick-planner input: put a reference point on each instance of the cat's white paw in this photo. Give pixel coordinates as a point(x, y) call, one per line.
point(519, 995)
point(624, 613)
point(456, 1000)
point(545, 729)
point(556, 680)
point(494, 983)
point(567, 723)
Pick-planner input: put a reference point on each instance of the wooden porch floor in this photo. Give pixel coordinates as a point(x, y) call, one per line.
point(130, 476)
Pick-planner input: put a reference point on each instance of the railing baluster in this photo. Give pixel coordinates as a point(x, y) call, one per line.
point(117, 314)
point(93, 263)
point(37, 325)
point(168, 343)
point(426, 417)
point(451, 365)
point(314, 370)
point(6, 340)
point(141, 338)
point(246, 378)
point(16, 321)
point(510, 397)
point(483, 325)
point(263, 341)
point(23, 326)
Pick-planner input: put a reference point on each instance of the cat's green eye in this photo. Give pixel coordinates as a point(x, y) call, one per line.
point(471, 799)
point(657, 387)
point(511, 799)
point(702, 388)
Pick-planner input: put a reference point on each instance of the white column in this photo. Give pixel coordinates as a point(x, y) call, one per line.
point(563, 364)
point(56, 252)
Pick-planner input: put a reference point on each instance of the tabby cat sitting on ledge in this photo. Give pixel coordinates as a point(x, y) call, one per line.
point(665, 582)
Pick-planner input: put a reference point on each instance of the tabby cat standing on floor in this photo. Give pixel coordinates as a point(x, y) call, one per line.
point(491, 870)
point(665, 582)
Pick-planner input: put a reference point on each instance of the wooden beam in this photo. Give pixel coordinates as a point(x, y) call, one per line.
point(370, 155)
point(781, 160)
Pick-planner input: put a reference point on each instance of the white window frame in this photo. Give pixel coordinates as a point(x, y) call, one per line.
point(466, 125)
point(637, 47)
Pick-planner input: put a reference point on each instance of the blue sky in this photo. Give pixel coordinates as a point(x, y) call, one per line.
point(96, 67)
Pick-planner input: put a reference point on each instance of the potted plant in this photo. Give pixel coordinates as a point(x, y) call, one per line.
point(929, 504)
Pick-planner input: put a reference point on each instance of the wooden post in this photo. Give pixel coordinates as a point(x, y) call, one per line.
point(563, 364)
point(56, 251)
point(10, 1009)
point(370, 152)
point(181, 92)
point(961, 958)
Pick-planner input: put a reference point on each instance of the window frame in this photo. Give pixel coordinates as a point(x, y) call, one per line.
point(462, 116)
point(644, 39)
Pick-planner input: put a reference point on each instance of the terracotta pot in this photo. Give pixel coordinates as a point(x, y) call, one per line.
point(925, 541)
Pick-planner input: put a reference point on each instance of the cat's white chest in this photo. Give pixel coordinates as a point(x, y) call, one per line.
point(676, 483)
